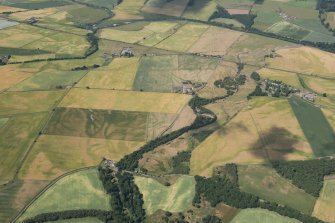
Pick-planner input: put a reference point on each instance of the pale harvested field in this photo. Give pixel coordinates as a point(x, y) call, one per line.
point(239, 141)
point(286, 77)
point(174, 8)
point(325, 205)
point(184, 38)
point(238, 11)
point(119, 74)
point(215, 41)
point(11, 75)
point(40, 13)
point(53, 155)
point(321, 85)
point(125, 100)
point(305, 60)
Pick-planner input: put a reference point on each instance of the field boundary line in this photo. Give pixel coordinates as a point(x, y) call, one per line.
point(53, 182)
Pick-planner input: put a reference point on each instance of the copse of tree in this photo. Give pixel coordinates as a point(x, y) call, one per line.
point(255, 76)
point(257, 92)
point(181, 162)
point(308, 174)
point(211, 219)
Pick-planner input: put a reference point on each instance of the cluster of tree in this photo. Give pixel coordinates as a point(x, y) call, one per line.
point(70, 214)
point(4, 59)
point(231, 84)
point(322, 17)
point(255, 76)
point(220, 189)
point(125, 198)
point(259, 2)
point(229, 171)
point(326, 5)
point(191, 3)
point(211, 219)
point(86, 67)
point(257, 92)
point(277, 88)
point(181, 162)
point(94, 44)
point(307, 175)
point(247, 20)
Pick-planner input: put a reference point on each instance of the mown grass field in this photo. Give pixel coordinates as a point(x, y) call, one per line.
point(268, 129)
point(261, 216)
point(28, 102)
point(269, 185)
point(324, 207)
point(49, 80)
point(55, 155)
point(105, 124)
point(119, 74)
point(15, 138)
point(317, 129)
point(304, 60)
point(81, 190)
point(125, 100)
point(175, 198)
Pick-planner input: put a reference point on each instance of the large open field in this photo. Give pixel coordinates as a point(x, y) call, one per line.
point(175, 198)
point(317, 129)
point(49, 80)
point(81, 190)
point(269, 185)
point(261, 216)
point(305, 60)
point(324, 207)
point(125, 100)
point(54, 155)
point(118, 75)
point(15, 138)
point(28, 102)
point(268, 129)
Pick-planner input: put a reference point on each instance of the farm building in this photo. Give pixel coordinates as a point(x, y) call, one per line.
point(32, 20)
point(127, 52)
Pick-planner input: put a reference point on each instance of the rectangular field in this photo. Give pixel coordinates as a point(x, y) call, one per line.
point(125, 100)
point(317, 129)
point(54, 155)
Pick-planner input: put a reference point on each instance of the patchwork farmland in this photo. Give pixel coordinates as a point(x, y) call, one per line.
point(167, 111)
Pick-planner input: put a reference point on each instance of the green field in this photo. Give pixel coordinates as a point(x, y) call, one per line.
point(175, 198)
point(286, 29)
point(49, 80)
point(107, 124)
point(269, 185)
point(81, 190)
point(200, 10)
point(108, 4)
point(30, 4)
point(261, 216)
point(15, 138)
point(28, 102)
point(80, 220)
point(317, 129)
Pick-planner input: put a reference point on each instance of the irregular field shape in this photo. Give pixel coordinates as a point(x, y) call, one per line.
point(49, 80)
point(15, 138)
point(316, 128)
point(54, 155)
point(184, 38)
point(215, 41)
point(125, 100)
point(261, 216)
point(324, 207)
point(269, 185)
point(28, 102)
point(175, 198)
point(239, 140)
point(305, 60)
point(200, 10)
point(120, 74)
point(80, 190)
point(173, 8)
point(286, 77)
point(287, 29)
point(320, 85)
point(117, 125)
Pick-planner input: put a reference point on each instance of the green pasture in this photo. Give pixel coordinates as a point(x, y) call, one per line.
point(80, 220)
point(261, 216)
point(117, 125)
point(315, 126)
point(287, 29)
point(174, 198)
point(81, 190)
point(49, 80)
point(200, 10)
point(30, 4)
point(269, 185)
point(101, 3)
point(15, 138)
